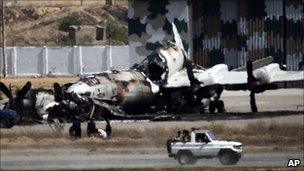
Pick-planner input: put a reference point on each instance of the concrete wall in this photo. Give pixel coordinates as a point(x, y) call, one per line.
point(65, 61)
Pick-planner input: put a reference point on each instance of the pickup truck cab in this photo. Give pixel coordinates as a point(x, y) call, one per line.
point(203, 144)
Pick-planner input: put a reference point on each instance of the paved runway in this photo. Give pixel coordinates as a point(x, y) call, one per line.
point(133, 161)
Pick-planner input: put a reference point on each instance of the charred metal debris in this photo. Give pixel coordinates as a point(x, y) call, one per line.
point(165, 82)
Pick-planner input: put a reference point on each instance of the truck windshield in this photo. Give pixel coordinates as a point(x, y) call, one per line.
point(212, 136)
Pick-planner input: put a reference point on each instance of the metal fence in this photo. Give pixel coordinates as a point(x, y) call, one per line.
point(65, 61)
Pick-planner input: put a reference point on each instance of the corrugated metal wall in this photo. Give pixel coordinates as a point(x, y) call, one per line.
point(295, 33)
point(233, 31)
point(150, 24)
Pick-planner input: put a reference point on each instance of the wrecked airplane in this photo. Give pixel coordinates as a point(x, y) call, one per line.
point(166, 81)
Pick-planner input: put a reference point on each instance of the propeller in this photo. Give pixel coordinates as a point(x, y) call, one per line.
point(20, 95)
point(251, 86)
point(22, 92)
point(58, 92)
point(15, 103)
point(6, 91)
point(58, 111)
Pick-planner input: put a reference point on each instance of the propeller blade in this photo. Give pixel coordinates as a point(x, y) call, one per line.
point(5, 90)
point(21, 93)
point(58, 92)
point(250, 82)
point(250, 77)
point(253, 106)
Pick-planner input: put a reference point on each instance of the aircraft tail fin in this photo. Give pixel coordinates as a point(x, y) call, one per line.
point(178, 39)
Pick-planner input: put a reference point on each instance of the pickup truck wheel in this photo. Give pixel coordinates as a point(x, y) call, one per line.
point(186, 158)
point(234, 160)
point(227, 158)
point(194, 160)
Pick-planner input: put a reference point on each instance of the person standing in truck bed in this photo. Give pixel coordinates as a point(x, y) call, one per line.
point(186, 136)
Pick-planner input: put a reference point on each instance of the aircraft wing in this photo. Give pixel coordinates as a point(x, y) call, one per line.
point(230, 77)
point(237, 80)
point(240, 77)
point(218, 74)
point(270, 74)
point(287, 76)
point(288, 79)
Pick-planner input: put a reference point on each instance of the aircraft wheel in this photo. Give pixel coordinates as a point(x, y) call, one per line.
point(220, 106)
point(212, 107)
point(72, 132)
point(75, 131)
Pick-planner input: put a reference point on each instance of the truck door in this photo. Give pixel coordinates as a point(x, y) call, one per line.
point(202, 143)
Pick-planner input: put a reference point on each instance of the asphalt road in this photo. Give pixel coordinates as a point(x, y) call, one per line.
point(271, 100)
point(133, 161)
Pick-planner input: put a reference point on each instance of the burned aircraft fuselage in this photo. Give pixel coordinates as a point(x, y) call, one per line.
point(145, 86)
point(128, 89)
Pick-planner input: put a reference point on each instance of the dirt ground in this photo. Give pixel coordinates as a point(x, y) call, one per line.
point(259, 133)
point(270, 134)
point(271, 100)
point(38, 25)
point(39, 82)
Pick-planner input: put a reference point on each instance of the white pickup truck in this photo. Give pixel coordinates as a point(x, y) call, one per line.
point(203, 144)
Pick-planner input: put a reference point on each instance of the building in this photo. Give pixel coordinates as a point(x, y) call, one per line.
point(86, 34)
point(221, 31)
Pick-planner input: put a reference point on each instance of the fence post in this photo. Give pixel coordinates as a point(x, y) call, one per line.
point(80, 64)
point(45, 61)
point(14, 61)
point(109, 58)
point(3, 40)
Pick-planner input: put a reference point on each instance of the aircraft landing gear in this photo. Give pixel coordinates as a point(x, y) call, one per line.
point(217, 105)
point(75, 130)
point(91, 128)
point(220, 106)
